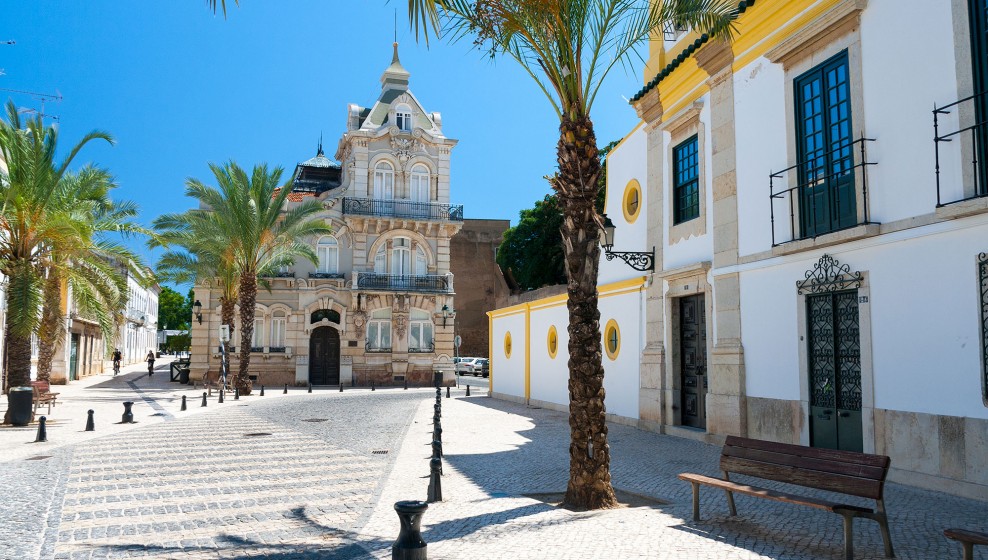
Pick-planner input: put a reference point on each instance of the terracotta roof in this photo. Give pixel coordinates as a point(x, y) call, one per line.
point(682, 56)
point(295, 196)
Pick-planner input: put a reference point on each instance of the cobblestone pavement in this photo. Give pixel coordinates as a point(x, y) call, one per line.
point(320, 486)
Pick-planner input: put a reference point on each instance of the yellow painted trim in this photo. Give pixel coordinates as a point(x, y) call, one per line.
point(528, 356)
point(550, 301)
point(607, 290)
point(490, 351)
point(513, 310)
point(632, 188)
point(612, 325)
point(507, 345)
point(552, 342)
point(767, 28)
point(621, 284)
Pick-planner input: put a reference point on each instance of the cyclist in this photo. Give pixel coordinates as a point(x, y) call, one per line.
point(150, 361)
point(116, 361)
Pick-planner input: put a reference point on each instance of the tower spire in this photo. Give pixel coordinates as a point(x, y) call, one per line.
point(319, 151)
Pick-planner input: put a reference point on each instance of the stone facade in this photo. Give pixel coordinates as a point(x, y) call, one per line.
point(479, 282)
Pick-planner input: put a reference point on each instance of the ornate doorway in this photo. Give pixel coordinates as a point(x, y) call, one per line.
point(324, 356)
point(693, 360)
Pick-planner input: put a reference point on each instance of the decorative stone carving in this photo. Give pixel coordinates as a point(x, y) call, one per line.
point(401, 323)
point(403, 148)
point(359, 318)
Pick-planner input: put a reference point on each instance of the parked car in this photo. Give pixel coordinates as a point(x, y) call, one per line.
point(485, 367)
point(463, 365)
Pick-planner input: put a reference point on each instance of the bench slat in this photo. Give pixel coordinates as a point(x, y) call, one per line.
point(821, 465)
point(853, 457)
point(854, 486)
point(964, 535)
point(769, 494)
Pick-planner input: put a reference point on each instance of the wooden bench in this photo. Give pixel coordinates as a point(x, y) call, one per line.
point(43, 395)
point(212, 380)
point(843, 472)
point(967, 539)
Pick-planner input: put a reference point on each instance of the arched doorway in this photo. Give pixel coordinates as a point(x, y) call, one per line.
point(324, 356)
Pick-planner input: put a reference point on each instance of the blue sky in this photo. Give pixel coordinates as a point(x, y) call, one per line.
point(179, 87)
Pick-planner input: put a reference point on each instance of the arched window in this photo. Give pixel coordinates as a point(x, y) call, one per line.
point(420, 332)
point(384, 181)
point(421, 262)
point(278, 331)
point(328, 251)
point(257, 339)
point(403, 117)
point(381, 260)
point(379, 330)
point(419, 190)
point(401, 256)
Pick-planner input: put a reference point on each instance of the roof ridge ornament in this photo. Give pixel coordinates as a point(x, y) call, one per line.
point(319, 151)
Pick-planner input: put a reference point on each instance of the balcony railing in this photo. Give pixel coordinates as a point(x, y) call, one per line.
point(280, 274)
point(431, 211)
point(978, 132)
point(325, 275)
point(398, 283)
point(276, 349)
point(379, 349)
point(422, 349)
point(824, 177)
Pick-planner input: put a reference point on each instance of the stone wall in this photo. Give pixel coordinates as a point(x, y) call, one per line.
point(478, 281)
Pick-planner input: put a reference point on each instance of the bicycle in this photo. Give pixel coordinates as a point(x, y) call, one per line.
point(116, 367)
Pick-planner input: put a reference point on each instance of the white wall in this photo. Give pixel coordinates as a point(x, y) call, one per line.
point(508, 373)
point(621, 375)
point(624, 163)
point(550, 376)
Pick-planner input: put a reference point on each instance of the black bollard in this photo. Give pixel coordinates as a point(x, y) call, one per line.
point(406, 383)
point(310, 387)
point(435, 484)
point(42, 431)
point(438, 408)
point(286, 389)
point(220, 400)
point(128, 416)
point(236, 393)
point(203, 398)
point(410, 545)
point(435, 418)
point(439, 392)
point(262, 390)
point(341, 386)
point(437, 448)
point(437, 433)
point(468, 390)
point(372, 386)
point(447, 392)
point(90, 422)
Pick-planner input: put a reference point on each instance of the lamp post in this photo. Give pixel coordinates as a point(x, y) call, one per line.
point(447, 314)
point(637, 260)
point(197, 310)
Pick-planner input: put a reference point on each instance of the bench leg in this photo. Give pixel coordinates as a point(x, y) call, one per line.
point(696, 501)
point(848, 536)
point(883, 523)
point(968, 550)
point(730, 497)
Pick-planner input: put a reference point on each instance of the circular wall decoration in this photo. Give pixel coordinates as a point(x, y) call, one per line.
point(612, 339)
point(631, 203)
point(552, 342)
point(507, 344)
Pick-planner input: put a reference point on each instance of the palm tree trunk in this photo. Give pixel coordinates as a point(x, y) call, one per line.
point(50, 331)
point(248, 297)
point(227, 308)
point(589, 484)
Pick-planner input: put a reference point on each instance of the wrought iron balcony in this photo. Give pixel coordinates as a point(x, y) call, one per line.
point(280, 274)
point(423, 349)
point(442, 283)
point(429, 211)
point(325, 275)
point(974, 181)
point(823, 196)
point(276, 349)
point(379, 349)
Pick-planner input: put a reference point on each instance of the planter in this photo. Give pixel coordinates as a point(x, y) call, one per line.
point(20, 405)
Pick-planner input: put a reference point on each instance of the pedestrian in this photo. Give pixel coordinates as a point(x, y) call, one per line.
point(150, 360)
point(116, 361)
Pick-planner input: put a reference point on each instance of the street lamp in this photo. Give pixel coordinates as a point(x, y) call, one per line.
point(197, 310)
point(447, 314)
point(637, 260)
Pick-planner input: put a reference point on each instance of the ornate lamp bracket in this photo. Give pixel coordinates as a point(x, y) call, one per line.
point(829, 275)
point(637, 260)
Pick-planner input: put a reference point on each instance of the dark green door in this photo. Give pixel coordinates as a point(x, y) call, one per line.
point(824, 135)
point(834, 352)
point(324, 356)
point(74, 358)
point(978, 12)
point(693, 360)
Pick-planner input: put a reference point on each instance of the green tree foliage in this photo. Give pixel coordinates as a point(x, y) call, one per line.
point(173, 310)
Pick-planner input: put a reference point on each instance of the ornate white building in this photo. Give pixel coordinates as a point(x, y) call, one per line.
point(377, 307)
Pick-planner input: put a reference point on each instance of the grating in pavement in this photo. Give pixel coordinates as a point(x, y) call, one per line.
point(38, 457)
point(316, 420)
point(379, 452)
point(257, 434)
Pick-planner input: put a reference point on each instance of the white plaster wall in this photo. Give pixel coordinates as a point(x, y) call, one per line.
point(550, 376)
point(509, 373)
point(769, 330)
point(624, 163)
point(760, 128)
point(621, 375)
point(699, 248)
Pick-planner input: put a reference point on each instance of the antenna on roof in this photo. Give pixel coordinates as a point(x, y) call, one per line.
point(396, 25)
point(319, 148)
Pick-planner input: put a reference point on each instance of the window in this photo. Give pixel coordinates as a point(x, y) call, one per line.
point(421, 262)
point(507, 344)
point(328, 250)
point(257, 339)
point(278, 331)
point(381, 260)
point(612, 339)
point(401, 256)
point(384, 181)
point(420, 331)
point(403, 117)
point(379, 330)
point(632, 201)
point(824, 148)
point(420, 183)
point(686, 181)
point(330, 315)
point(552, 342)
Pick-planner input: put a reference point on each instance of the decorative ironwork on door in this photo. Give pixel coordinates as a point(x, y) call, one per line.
point(834, 351)
point(693, 360)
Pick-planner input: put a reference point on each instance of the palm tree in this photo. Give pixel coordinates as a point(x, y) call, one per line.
point(31, 225)
point(247, 215)
point(568, 47)
point(85, 259)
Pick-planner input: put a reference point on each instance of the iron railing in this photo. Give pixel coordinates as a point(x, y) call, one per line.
point(276, 350)
point(979, 145)
point(399, 283)
point(257, 349)
point(431, 211)
point(423, 349)
point(799, 194)
point(381, 349)
point(325, 275)
point(280, 274)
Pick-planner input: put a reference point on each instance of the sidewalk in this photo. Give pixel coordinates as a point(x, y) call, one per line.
point(498, 455)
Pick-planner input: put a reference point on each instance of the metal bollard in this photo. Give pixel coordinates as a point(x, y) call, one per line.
point(439, 393)
point(438, 408)
point(310, 387)
point(262, 390)
point(435, 418)
point(204, 398)
point(220, 400)
point(128, 416)
point(372, 386)
point(90, 422)
point(236, 393)
point(409, 545)
point(184, 406)
point(42, 431)
point(437, 433)
point(341, 386)
point(435, 484)
point(286, 389)
point(406, 383)
point(447, 392)
point(437, 448)
point(468, 390)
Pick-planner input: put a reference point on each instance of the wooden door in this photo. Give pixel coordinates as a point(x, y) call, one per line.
point(324, 356)
point(693, 360)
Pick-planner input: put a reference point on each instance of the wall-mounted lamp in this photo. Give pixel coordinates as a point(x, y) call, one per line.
point(447, 314)
point(197, 310)
point(637, 260)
